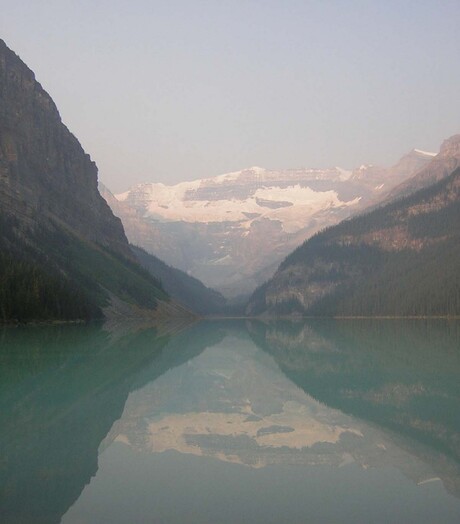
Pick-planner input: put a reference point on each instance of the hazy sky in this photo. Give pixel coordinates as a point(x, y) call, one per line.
point(176, 90)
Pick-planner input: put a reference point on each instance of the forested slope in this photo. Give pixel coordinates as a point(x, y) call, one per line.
point(402, 259)
point(189, 291)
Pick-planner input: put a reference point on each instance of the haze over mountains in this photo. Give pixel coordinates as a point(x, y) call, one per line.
point(400, 259)
point(64, 255)
point(231, 231)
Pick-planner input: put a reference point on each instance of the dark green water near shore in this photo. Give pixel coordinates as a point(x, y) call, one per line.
point(231, 421)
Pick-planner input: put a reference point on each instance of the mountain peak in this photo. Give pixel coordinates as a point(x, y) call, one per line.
point(451, 146)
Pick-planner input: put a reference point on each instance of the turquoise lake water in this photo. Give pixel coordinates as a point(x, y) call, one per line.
point(231, 421)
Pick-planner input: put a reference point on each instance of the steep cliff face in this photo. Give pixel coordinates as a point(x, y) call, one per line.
point(63, 254)
point(45, 176)
point(401, 259)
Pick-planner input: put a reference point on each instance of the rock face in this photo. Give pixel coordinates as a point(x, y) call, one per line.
point(44, 173)
point(63, 254)
point(231, 231)
point(441, 166)
point(399, 260)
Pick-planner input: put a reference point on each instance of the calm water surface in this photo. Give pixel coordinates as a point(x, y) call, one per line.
point(228, 422)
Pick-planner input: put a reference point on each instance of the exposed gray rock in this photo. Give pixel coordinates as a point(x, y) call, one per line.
point(45, 176)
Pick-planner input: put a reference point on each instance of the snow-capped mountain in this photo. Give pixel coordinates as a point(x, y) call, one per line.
point(243, 197)
point(231, 231)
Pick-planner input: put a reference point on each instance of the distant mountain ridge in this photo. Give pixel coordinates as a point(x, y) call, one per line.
point(402, 259)
point(216, 229)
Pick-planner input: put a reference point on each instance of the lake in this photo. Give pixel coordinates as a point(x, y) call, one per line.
point(321, 421)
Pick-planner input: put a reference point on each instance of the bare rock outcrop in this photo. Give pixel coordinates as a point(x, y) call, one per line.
point(45, 176)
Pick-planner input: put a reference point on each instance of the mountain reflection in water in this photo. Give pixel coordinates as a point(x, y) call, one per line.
point(401, 376)
point(361, 397)
point(61, 389)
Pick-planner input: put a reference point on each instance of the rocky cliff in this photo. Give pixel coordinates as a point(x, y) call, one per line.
point(63, 254)
point(45, 176)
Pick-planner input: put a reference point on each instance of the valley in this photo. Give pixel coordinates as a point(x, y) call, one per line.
point(369, 241)
point(232, 231)
point(229, 262)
